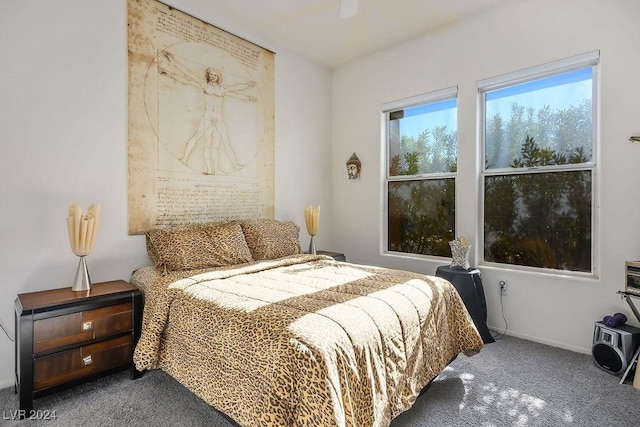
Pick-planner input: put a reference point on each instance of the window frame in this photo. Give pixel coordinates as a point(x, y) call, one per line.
point(404, 103)
point(589, 59)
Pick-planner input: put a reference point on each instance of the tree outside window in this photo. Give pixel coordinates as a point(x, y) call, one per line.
point(421, 171)
point(539, 169)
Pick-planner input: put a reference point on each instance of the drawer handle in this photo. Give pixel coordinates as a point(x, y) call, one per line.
point(87, 360)
point(86, 326)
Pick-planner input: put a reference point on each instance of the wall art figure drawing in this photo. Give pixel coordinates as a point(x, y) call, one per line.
point(201, 112)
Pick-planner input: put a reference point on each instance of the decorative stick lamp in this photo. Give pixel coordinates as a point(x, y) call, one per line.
point(82, 236)
point(312, 219)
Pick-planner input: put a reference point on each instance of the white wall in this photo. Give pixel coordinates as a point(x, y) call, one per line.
point(547, 308)
point(63, 133)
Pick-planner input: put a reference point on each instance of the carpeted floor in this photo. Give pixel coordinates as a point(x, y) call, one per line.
point(512, 382)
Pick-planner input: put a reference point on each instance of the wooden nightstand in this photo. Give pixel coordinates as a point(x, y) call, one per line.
point(335, 255)
point(65, 337)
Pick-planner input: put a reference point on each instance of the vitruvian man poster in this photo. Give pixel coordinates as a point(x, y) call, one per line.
point(201, 121)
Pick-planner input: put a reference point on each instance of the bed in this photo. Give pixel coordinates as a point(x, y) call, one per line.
point(273, 337)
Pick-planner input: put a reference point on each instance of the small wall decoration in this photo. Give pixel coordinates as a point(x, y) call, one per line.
point(353, 167)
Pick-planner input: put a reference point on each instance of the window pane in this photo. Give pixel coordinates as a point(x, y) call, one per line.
point(554, 113)
point(421, 216)
point(422, 139)
point(539, 220)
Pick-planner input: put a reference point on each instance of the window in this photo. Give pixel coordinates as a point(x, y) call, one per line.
point(538, 128)
point(421, 142)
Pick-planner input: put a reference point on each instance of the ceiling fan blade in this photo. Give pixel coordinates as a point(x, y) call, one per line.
point(348, 8)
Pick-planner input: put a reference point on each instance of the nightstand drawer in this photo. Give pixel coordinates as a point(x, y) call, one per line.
point(73, 328)
point(58, 368)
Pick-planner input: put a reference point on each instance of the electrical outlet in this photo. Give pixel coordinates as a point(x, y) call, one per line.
point(503, 287)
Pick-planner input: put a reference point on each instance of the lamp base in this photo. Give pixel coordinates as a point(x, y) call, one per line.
point(312, 246)
point(82, 281)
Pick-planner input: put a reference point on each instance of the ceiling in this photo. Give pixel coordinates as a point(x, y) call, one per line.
point(314, 29)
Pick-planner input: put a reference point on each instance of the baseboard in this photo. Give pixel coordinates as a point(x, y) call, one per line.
point(4, 383)
point(552, 343)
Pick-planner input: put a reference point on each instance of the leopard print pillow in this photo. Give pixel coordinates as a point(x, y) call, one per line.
point(198, 246)
point(270, 238)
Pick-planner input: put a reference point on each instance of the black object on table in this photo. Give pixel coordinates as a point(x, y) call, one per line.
point(468, 283)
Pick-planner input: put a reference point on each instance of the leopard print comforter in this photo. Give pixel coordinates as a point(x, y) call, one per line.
point(304, 340)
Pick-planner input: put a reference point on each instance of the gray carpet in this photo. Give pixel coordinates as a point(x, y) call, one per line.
point(512, 382)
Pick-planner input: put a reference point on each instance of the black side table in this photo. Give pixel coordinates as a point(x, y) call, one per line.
point(468, 283)
point(335, 255)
